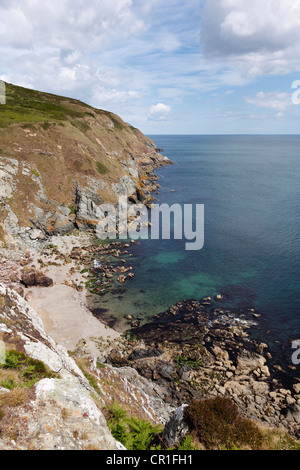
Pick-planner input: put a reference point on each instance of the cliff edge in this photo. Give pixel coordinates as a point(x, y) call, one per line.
point(60, 159)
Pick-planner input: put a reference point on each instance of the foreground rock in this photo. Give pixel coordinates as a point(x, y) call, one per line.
point(189, 353)
point(58, 413)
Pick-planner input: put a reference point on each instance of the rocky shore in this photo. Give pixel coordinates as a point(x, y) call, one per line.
point(196, 349)
point(52, 268)
point(190, 353)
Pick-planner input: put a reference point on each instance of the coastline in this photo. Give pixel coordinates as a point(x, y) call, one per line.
point(67, 260)
point(183, 353)
point(63, 305)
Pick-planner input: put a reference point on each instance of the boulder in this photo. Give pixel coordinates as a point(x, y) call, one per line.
point(116, 359)
point(42, 280)
point(176, 428)
point(31, 278)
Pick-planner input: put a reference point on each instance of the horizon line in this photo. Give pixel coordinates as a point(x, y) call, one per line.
point(224, 135)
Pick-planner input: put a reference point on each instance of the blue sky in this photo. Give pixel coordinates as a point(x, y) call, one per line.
point(165, 66)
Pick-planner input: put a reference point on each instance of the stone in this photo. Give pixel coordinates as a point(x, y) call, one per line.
point(42, 280)
point(31, 278)
point(29, 296)
point(36, 234)
point(116, 359)
point(19, 290)
point(28, 278)
point(175, 429)
point(143, 353)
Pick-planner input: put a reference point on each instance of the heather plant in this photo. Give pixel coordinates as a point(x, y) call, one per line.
point(218, 424)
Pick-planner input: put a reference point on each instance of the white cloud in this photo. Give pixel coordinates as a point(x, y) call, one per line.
point(103, 96)
point(273, 100)
point(257, 37)
point(66, 24)
point(64, 47)
point(159, 112)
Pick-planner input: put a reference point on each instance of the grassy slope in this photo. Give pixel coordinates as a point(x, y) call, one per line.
point(62, 142)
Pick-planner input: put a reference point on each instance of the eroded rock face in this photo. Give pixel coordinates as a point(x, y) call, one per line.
point(176, 429)
point(59, 175)
point(8, 172)
point(60, 413)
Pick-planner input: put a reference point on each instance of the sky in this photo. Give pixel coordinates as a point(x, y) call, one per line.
point(164, 66)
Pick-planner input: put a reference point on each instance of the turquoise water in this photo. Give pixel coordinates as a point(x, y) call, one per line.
point(251, 192)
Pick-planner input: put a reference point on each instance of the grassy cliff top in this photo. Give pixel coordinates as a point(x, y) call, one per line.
point(50, 145)
point(26, 105)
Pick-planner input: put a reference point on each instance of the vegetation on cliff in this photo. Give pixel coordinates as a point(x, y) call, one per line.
point(60, 158)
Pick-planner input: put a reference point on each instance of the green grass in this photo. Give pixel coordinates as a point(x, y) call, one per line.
point(102, 169)
point(192, 363)
point(24, 105)
point(117, 124)
point(30, 371)
point(35, 173)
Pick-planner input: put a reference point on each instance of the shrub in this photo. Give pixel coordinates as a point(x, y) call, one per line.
point(218, 425)
point(187, 444)
point(30, 370)
point(46, 125)
point(36, 173)
point(133, 433)
point(14, 360)
point(102, 169)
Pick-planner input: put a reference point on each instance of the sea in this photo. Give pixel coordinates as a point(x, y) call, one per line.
point(250, 189)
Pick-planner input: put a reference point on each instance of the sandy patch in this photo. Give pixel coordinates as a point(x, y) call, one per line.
point(65, 317)
point(63, 309)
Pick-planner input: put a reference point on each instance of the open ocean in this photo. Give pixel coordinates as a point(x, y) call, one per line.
point(250, 186)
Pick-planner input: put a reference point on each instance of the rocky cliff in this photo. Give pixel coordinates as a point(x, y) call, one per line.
point(48, 404)
point(60, 159)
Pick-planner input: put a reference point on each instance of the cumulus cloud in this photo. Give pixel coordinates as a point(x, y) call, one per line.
point(103, 96)
point(273, 100)
point(258, 37)
point(63, 47)
point(159, 112)
point(65, 24)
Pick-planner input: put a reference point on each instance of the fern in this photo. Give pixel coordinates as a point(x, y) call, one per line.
point(133, 433)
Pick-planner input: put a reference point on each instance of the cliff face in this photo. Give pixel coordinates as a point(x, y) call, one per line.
point(60, 159)
point(52, 401)
point(45, 399)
